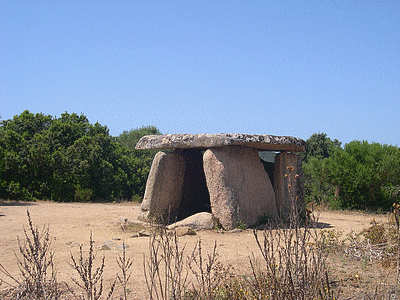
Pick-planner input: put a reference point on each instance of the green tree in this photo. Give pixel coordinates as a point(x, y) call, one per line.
point(319, 147)
point(364, 174)
point(69, 159)
point(139, 159)
point(130, 138)
point(21, 145)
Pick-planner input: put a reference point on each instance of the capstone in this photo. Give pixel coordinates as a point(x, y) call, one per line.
point(206, 141)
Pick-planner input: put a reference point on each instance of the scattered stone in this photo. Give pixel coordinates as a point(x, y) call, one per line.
point(206, 141)
point(141, 233)
point(236, 230)
point(240, 189)
point(109, 245)
point(144, 233)
point(121, 247)
point(163, 188)
point(182, 231)
point(123, 221)
point(133, 226)
point(199, 221)
point(105, 247)
point(116, 238)
point(72, 244)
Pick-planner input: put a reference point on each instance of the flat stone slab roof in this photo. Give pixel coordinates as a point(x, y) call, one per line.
point(205, 141)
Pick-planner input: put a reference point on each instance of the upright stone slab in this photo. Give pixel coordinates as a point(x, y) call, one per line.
point(240, 189)
point(163, 188)
point(288, 184)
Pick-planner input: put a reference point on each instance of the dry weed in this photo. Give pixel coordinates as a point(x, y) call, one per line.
point(90, 278)
point(38, 275)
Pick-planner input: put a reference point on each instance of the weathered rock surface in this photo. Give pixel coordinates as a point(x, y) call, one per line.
point(236, 230)
point(205, 141)
point(239, 187)
point(199, 221)
point(109, 245)
point(289, 189)
point(182, 231)
point(163, 188)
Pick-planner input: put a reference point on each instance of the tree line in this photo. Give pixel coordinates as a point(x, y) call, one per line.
point(69, 159)
point(360, 175)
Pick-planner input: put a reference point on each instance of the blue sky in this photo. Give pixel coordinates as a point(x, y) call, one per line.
point(258, 67)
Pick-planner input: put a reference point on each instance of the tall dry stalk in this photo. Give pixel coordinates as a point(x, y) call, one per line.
point(37, 271)
point(208, 272)
point(295, 260)
point(90, 278)
point(164, 268)
point(124, 263)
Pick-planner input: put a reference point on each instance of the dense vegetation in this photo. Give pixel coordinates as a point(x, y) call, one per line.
point(69, 159)
point(360, 175)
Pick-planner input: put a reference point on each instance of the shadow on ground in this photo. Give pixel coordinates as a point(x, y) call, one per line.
point(16, 203)
point(322, 225)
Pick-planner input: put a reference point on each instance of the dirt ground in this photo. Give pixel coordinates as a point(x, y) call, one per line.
point(71, 224)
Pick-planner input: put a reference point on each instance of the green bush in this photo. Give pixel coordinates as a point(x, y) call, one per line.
point(360, 175)
point(69, 159)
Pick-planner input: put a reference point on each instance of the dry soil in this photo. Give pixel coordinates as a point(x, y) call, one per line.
point(71, 225)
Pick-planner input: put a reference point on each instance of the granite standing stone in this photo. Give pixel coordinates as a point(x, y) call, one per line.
point(240, 189)
point(288, 184)
point(163, 188)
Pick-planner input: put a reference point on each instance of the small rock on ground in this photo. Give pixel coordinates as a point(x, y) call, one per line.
point(199, 221)
point(182, 231)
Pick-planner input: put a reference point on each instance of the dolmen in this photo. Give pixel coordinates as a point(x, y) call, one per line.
point(223, 174)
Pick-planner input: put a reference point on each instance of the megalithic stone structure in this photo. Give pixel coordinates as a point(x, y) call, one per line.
point(289, 184)
point(228, 180)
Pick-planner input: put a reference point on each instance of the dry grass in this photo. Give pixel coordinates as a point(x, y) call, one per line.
point(365, 263)
point(297, 261)
point(90, 280)
point(38, 276)
point(164, 267)
point(124, 263)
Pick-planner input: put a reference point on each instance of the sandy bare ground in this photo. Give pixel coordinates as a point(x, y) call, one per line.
point(72, 223)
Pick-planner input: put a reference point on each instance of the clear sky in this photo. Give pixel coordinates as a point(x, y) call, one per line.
point(259, 67)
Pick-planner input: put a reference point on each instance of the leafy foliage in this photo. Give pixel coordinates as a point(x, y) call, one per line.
point(363, 172)
point(360, 175)
point(319, 147)
point(69, 159)
point(141, 160)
